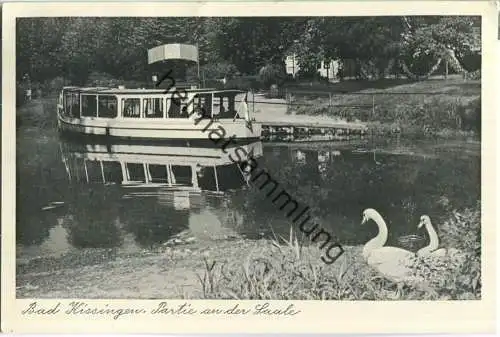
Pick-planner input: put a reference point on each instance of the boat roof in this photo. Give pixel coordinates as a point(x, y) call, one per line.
point(146, 91)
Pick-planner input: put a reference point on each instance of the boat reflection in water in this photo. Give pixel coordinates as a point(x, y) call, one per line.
point(148, 195)
point(173, 168)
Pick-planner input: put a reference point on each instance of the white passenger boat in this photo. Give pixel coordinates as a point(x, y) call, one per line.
point(172, 113)
point(156, 114)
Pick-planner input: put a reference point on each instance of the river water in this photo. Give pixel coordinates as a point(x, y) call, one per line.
point(73, 196)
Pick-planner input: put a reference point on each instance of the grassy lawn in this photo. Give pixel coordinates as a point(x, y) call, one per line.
point(429, 106)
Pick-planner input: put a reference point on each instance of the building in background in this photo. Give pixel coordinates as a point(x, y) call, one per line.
point(291, 65)
point(329, 70)
point(325, 69)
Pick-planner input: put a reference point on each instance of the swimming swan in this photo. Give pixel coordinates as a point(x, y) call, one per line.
point(432, 248)
point(392, 262)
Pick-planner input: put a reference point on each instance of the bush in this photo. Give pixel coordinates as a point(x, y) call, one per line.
point(432, 113)
point(463, 231)
point(98, 79)
point(461, 276)
point(54, 85)
point(272, 74)
point(20, 94)
point(219, 70)
point(242, 83)
point(458, 274)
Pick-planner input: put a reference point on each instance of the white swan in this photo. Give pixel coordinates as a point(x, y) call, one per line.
point(392, 262)
point(432, 248)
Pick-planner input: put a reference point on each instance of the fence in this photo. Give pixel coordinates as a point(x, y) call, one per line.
point(441, 108)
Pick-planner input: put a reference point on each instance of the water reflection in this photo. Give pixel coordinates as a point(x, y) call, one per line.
point(167, 167)
point(338, 183)
point(132, 196)
point(160, 185)
point(87, 222)
point(114, 190)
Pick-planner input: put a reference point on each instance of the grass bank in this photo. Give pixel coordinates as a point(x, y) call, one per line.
point(434, 107)
point(39, 113)
point(279, 268)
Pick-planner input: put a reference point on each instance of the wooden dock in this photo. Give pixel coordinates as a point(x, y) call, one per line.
point(278, 122)
point(311, 131)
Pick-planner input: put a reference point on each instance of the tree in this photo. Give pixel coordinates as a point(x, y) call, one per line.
point(437, 38)
point(253, 42)
point(37, 47)
point(75, 47)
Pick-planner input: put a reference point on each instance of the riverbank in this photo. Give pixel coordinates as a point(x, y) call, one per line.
point(435, 108)
point(432, 108)
point(39, 112)
point(248, 269)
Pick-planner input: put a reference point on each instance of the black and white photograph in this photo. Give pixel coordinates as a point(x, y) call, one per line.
point(347, 119)
point(282, 157)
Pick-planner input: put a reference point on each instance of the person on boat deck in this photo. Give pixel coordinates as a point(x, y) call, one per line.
point(149, 109)
point(129, 110)
point(222, 110)
point(242, 110)
point(158, 110)
point(205, 110)
point(215, 114)
point(198, 112)
point(184, 111)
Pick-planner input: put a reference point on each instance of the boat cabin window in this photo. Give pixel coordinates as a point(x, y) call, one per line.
point(112, 172)
point(67, 102)
point(72, 104)
point(93, 172)
point(153, 107)
point(206, 179)
point(182, 175)
point(131, 107)
point(158, 173)
point(135, 172)
point(225, 106)
point(178, 109)
point(203, 104)
point(89, 106)
point(107, 106)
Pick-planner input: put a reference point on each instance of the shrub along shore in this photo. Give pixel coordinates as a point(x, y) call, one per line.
point(435, 107)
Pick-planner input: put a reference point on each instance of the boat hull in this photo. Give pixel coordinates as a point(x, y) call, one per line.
point(162, 130)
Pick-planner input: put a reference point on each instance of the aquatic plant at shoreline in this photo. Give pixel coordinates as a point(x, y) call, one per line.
point(291, 271)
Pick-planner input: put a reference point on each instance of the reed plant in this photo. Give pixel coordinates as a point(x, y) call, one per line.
point(288, 270)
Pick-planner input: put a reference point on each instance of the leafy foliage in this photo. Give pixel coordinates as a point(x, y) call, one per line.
point(75, 47)
point(458, 274)
point(271, 74)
